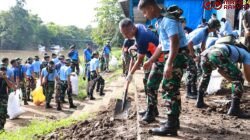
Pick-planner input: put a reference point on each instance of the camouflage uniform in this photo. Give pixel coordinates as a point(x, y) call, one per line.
point(3, 103)
point(30, 86)
point(191, 76)
point(62, 87)
point(94, 78)
point(49, 88)
point(126, 63)
point(217, 58)
point(75, 66)
point(171, 94)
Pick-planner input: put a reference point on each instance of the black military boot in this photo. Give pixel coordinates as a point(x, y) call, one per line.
point(25, 101)
point(47, 106)
point(235, 110)
point(178, 122)
point(189, 92)
point(200, 101)
point(58, 107)
point(169, 128)
point(143, 112)
point(149, 115)
point(71, 105)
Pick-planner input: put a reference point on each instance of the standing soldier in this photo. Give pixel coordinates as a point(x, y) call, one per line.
point(44, 62)
point(64, 85)
point(174, 45)
point(6, 85)
point(87, 57)
point(21, 73)
point(36, 64)
point(106, 54)
point(73, 54)
point(95, 76)
point(198, 36)
point(147, 43)
point(30, 78)
point(48, 77)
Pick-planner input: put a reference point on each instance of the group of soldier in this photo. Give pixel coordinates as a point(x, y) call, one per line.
point(171, 52)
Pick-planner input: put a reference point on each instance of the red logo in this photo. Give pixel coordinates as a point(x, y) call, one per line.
point(209, 5)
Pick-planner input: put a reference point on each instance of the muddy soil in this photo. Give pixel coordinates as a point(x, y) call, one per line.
point(103, 126)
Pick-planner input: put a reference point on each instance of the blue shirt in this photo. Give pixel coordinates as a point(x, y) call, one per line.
point(55, 60)
point(9, 73)
point(36, 66)
point(21, 71)
point(106, 50)
point(58, 66)
point(73, 55)
point(226, 29)
point(29, 69)
point(94, 64)
point(168, 27)
point(65, 71)
point(51, 76)
point(87, 53)
point(15, 72)
point(146, 40)
point(198, 36)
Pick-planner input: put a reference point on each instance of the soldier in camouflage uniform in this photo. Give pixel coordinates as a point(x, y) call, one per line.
point(174, 45)
point(21, 73)
point(196, 37)
point(30, 78)
point(48, 77)
point(95, 77)
point(147, 43)
point(223, 57)
point(64, 85)
point(5, 85)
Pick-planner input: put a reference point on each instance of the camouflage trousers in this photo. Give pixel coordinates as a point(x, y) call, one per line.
point(171, 93)
point(198, 66)
point(30, 86)
point(191, 71)
point(75, 66)
point(95, 79)
point(126, 62)
point(61, 88)
point(3, 111)
point(154, 80)
point(217, 58)
point(49, 90)
point(23, 89)
point(106, 62)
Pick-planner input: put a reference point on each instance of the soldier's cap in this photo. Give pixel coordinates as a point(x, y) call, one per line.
point(53, 54)
point(18, 59)
point(68, 61)
point(51, 62)
point(94, 53)
point(30, 59)
point(46, 56)
point(61, 56)
point(36, 57)
point(72, 47)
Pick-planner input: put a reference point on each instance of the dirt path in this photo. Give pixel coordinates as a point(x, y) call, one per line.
point(33, 112)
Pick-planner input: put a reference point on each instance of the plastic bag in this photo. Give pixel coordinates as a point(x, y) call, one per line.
point(14, 109)
point(113, 62)
point(38, 96)
point(74, 83)
point(215, 82)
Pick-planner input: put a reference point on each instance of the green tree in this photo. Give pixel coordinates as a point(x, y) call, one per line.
point(108, 16)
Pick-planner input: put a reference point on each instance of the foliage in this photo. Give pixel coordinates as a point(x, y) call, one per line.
point(108, 16)
point(20, 29)
point(41, 127)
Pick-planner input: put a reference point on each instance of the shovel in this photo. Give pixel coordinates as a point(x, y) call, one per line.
point(121, 108)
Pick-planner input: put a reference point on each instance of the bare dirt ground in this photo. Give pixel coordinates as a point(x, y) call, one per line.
point(208, 123)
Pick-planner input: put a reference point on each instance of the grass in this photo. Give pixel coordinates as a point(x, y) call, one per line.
point(38, 127)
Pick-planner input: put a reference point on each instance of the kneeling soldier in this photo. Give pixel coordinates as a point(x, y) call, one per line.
point(95, 77)
point(48, 76)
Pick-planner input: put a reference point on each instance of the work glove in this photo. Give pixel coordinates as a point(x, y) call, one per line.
point(129, 77)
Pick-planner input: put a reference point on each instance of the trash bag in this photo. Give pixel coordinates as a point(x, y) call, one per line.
point(38, 96)
point(215, 83)
point(74, 83)
point(113, 62)
point(14, 109)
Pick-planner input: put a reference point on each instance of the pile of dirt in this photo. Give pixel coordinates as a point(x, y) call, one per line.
point(103, 126)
